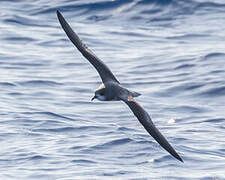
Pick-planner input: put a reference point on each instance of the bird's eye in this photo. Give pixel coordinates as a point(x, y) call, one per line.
point(101, 93)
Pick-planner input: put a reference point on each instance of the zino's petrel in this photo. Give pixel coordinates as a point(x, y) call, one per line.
point(112, 90)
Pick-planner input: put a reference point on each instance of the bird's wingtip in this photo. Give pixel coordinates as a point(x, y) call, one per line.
point(179, 158)
point(58, 13)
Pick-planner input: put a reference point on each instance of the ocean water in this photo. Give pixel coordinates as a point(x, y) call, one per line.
point(170, 51)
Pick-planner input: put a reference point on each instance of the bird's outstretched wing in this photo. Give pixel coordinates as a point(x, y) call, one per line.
point(146, 121)
point(103, 70)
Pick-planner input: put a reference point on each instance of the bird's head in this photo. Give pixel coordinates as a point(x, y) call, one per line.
point(100, 93)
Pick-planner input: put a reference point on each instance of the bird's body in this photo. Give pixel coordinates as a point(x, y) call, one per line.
point(112, 90)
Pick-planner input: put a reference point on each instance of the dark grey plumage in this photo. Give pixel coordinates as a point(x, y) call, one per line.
point(111, 89)
point(103, 70)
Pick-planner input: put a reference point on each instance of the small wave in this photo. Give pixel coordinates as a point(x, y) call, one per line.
point(210, 5)
point(7, 84)
point(217, 120)
point(124, 129)
point(53, 115)
point(24, 21)
point(184, 66)
point(16, 94)
point(19, 39)
point(39, 83)
point(180, 89)
point(116, 173)
point(118, 141)
point(86, 7)
point(83, 161)
point(188, 109)
point(215, 91)
point(23, 65)
point(187, 36)
point(77, 147)
point(214, 55)
point(55, 130)
point(37, 157)
point(109, 144)
point(98, 18)
point(68, 129)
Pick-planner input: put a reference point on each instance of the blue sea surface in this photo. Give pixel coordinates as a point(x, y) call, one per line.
point(170, 51)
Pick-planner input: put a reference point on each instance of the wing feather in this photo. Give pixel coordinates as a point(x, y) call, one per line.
point(103, 70)
point(146, 121)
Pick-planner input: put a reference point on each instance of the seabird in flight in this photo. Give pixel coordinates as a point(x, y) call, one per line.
point(112, 90)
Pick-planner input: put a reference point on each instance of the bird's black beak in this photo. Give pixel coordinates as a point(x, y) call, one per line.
point(93, 98)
